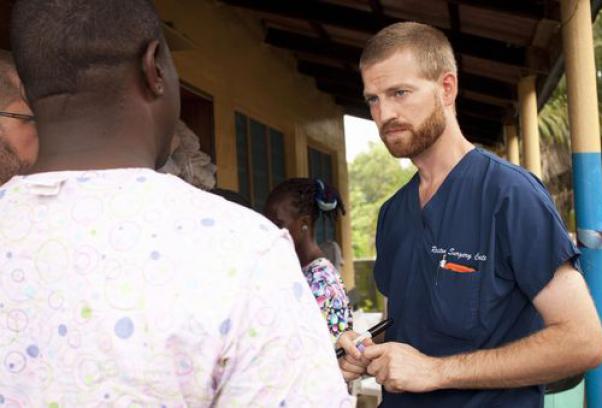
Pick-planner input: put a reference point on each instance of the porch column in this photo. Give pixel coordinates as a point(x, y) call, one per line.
point(528, 123)
point(587, 163)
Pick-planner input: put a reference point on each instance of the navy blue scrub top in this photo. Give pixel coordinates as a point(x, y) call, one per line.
point(494, 220)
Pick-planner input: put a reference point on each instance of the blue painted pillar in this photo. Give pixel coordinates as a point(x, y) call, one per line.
point(587, 163)
point(587, 184)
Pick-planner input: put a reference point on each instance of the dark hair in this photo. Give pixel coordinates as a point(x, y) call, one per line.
point(311, 197)
point(58, 44)
point(9, 91)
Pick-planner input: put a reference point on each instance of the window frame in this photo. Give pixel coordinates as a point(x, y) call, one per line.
point(268, 132)
point(334, 171)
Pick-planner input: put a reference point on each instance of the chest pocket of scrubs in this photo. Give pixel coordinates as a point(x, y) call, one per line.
point(455, 302)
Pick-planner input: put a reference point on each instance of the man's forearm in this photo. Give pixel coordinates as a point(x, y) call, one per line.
point(551, 354)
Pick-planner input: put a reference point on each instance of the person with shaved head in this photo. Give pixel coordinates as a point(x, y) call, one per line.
point(122, 286)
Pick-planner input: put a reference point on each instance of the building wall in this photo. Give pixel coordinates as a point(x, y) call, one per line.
point(229, 61)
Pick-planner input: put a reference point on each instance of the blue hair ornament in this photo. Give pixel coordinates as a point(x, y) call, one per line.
point(325, 200)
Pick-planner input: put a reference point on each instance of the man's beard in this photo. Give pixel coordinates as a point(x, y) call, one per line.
point(10, 164)
point(419, 139)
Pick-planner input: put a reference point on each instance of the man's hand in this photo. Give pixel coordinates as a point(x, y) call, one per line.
point(400, 367)
point(353, 364)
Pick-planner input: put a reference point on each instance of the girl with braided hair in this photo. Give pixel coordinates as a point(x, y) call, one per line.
point(296, 204)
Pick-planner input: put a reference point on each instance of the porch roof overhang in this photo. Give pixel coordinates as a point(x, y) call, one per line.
point(497, 42)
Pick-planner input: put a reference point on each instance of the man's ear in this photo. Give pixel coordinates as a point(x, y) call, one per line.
point(449, 85)
point(151, 67)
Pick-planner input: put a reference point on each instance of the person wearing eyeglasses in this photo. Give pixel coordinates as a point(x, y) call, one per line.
point(18, 134)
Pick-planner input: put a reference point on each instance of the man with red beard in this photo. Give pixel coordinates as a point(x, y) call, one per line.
point(481, 277)
point(18, 136)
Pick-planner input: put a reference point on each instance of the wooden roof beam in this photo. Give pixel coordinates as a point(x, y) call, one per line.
point(478, 47)
point(354, 19)
point(377, 8)
point(529, 9)
point(470, 82)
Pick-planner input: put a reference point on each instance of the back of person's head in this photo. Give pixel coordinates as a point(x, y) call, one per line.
point(61, 46)
point(91, 56)
point(429, 46)
point(311, 197)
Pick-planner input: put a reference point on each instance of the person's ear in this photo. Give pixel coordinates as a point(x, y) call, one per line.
point(449, 86)
point(154, 74)
point(305, 222)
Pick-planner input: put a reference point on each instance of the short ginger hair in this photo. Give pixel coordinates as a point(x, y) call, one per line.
point(429, 45)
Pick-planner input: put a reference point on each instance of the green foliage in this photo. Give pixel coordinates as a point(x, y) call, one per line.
point(374, 176)
point(554, 117)
point(366, 305)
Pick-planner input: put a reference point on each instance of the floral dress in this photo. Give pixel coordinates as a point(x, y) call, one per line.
point(328, 289)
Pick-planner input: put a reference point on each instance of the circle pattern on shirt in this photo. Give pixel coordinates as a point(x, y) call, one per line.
point(33, 351)
point(124, 328)
point(15, 362)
